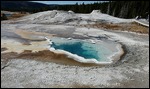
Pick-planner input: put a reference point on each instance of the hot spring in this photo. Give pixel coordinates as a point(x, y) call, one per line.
point(85, 50)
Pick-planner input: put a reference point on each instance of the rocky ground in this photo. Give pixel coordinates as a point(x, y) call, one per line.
point(29, 67)
point(133, 72)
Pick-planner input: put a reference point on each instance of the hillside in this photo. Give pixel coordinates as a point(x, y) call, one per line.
point(22, 6)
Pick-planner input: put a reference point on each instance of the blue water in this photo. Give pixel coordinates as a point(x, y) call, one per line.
point(77, 48)
point(83, 48)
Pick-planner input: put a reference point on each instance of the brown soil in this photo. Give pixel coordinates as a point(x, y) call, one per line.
point(18, 15)
point(3, 49)
point(45, 56)
point(5, 57)
point(131, 27)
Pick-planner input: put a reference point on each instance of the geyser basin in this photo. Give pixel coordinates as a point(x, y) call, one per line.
point(85, 51)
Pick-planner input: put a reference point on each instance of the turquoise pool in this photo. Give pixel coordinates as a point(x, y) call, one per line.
point(83, 48)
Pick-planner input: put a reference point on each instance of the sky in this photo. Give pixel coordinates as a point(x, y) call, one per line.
point(65, 2)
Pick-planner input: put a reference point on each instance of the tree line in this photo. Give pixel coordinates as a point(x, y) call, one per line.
point(122, 9)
